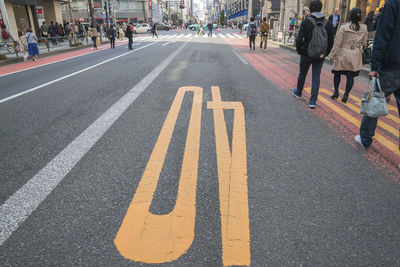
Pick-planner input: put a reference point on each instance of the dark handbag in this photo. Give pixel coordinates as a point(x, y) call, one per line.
point(366, 55)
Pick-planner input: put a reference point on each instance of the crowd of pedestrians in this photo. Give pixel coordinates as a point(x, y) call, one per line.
point(316, 40)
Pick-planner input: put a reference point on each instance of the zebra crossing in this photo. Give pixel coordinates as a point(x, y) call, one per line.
point(190, 36)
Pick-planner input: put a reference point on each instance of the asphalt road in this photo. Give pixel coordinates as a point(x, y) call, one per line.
point(313, 200)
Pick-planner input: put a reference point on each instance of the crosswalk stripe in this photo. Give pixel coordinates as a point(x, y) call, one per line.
point(214, 36)
point(230, 36)
point(221, 35)
point(189, 35)
point(180, 35)
point(196, 36)
point(145, 38)
point(173, 36)
point(164, 36)
point(205, 36)
point(238, 36)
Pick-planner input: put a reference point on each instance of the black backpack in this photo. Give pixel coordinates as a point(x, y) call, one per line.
point(253, 29)
point(319, 40)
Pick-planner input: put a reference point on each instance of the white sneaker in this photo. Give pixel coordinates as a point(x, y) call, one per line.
point(357, 139)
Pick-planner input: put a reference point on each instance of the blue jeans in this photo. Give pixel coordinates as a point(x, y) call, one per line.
point(130, 43)
point(305, 63)
point(368, 124)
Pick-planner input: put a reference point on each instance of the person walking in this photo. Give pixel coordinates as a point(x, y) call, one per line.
point(252, 33)
point(24, 43)
point(154, 30)
point(32, 44)
point(210, 28)
point(53, 32)
point(93, 35)
point(112, 34)
point(313, 53)
point(129, 35)
point(335, 20)
point(347, 52)
point(385, 65)
point(81, 31)
point(369, 21)
point(264, 28)
point(44, 30)
point(121, 34)
point(240, 27)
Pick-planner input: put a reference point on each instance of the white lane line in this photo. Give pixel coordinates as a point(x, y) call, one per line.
point(166, 44)
point(69, 75)
point(240, 57)
point(64, 59)
point(173, 36)
point(230, 36)
point(180, 35)
point(164, 36)
point(238, 36)
point(16, 209)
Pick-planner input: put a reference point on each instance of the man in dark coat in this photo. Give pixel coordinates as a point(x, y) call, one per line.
point(129, 35)
point(385, 64)
point(53, 32)
point(335, 20)
point(302, 43)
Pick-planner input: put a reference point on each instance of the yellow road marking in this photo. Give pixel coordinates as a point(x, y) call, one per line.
point(389, 106)
point(232, 173)
point(356, 109)
point(151, 238)
point(380, 138)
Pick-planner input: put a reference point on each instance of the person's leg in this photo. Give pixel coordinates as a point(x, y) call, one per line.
point(305, 63)
point(250, 42)
point(253, 40)
point(94, 42)
point(367, 130)
point(316, 74)
point(336, 83)
point(265, 42)
point(349, 86)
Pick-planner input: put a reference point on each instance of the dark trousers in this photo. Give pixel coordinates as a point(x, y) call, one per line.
point(209, 32)
point(368, 124)
point(112, 42)
point(155, 33)
point(252, 40)
point(305, 63)
point(94, 38)
point(130, 43)
point(53, 38)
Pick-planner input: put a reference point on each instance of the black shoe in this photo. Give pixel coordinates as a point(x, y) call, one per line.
point(345, 98)
point(335, 94)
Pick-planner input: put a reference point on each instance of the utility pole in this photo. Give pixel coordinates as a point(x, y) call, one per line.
point(106, 8)
point(282, 15)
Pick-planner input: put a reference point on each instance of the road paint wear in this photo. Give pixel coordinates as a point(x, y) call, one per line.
point(240, 57)
point(232, 174)
point(17, 208)
point(151, 238)
point(72, 74)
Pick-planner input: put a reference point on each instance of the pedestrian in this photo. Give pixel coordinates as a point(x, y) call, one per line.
point(154, 30)
point(24, 43)
point(313, 52)
point(369, 21)
point(252, 33)
point(112, 34)
point(264, 28)
point(61, 32)
point(240, 27)
point(81, 31)
point(200, 30)
point(335, 20)
point(385, 65)
point(121, 34)
point(347, 52)
point(53, 31)
point(93, 34)
point(129, 35)
point(210, 28)
point(32, 44)
point(5, 35)
point(376, 20)
point(44, 30)
point(68, 29)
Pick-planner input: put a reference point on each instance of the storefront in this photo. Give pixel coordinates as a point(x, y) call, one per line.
point(21, 15)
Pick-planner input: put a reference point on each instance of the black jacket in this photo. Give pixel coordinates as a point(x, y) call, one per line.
point(369, 21)
point(331, 20)
point(386, 50)
point(129, 32)
point(305, 34)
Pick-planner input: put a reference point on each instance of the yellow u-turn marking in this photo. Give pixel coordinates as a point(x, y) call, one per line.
point(151, 238)
point(232, 173)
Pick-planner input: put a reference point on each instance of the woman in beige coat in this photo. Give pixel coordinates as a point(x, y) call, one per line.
point(347, 52)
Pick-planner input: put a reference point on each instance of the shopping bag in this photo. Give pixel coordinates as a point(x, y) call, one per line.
point(373, 103)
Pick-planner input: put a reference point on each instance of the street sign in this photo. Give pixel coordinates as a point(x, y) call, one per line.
point(150, 4)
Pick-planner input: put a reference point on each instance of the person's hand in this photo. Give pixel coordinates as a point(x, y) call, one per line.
point(373, 74)
point(388, 98)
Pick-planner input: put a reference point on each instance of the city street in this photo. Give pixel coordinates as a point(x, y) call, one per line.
point(190, 151)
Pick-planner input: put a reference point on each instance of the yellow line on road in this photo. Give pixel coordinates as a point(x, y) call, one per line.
point(232, 173)
point(356, 109)
point(349, 117)
point(151, 238)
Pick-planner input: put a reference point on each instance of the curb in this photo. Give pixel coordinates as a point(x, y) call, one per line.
point(47, 54)
point(364, 72)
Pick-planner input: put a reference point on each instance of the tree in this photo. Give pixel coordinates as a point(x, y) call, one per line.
point(222, 17)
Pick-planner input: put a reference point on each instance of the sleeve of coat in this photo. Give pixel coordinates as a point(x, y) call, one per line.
point(331, 37)
point(337, 43)
point(300, 39)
